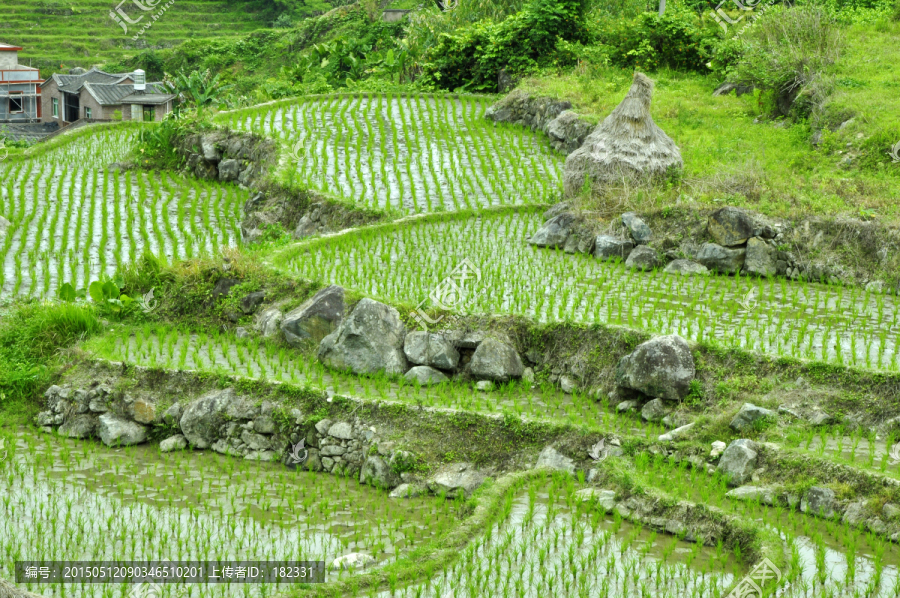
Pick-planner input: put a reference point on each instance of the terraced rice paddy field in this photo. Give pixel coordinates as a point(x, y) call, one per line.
point(408, 153)
point(74, 220)
point(403, 264)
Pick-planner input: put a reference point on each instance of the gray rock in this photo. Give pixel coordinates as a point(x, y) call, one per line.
point(202, 418)
point(718, 447)
point(748, 416)
point(876, 526)
point(484, 386)
point(627, 406)
point(855, 514)
point(261, 456)
point(268, 323)
point(567, 384)
point(98, 404)
point(173, 443)
point(208, 148)
point(820, 418)
point(643, 258)
point(662, 367)
point(555, 231)
point(686, 268)
point(79, 426)
point(890, 511)
point(117, 431)
point(497, 361)
point(241, 332)
point(765, 495)
point(730, 226)
point(609, 248)
point(606, 499)
point(316, 318)
point(655, 410)
point(367, 341)
point(435, 350)
point(376, 472)
point(323, 426)
point(760, 258)
point(737, 463)
point(48, 418)
point(333, 450)
point(425, 376)
point(229, 170)
point(341, 430)
point(721, 259)
point(255, 442)
point(676, 433)
point(456, 479)
point(144, 411)
point(818, 501)
point(875, 286)
point(637, 228)
point(553, 459)
point(567, 131)
point(252, 301)
point(408, 491)
point(172, 415)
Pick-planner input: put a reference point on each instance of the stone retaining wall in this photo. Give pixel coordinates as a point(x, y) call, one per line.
point(566, 130)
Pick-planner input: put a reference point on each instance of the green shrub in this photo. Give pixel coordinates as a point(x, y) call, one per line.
point(472, 57)
point(677, 40)
point(30, 337)
point(787, 49)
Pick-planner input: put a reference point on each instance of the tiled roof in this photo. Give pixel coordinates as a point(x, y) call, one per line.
point(73, 83)
point(108, 94)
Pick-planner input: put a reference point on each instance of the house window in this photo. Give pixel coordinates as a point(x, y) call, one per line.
point(54, 104)
point(149, 113)
point(87, 112)
point(136, 112)
point(15, 104)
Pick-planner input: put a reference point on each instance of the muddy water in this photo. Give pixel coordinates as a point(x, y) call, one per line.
point(73, 500)
point(412, 154)
point(778, 317)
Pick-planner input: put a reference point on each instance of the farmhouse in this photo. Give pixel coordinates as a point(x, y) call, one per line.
point(98, 95)
point(20, 92)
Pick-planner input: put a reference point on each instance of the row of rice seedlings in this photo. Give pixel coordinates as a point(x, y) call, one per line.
point(857, 446)
point(72, 224)
point(418, 154)
point(846, 326)
point(828, 556)
point(73, 500)
point(161, 346)
point(547, 542)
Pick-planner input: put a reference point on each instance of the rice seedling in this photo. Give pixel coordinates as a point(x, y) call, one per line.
point(404, 263)
point(412, 153)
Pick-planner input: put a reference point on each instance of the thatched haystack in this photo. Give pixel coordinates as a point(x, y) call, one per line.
point(626, 145)
point(8, 590)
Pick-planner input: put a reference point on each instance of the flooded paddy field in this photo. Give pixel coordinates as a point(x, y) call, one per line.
point(778, 317)
point(409, 153)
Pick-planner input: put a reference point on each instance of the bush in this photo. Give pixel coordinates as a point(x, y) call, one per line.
point(649, 41)
point(786, 50)
point(472, 57)
point(30, 337)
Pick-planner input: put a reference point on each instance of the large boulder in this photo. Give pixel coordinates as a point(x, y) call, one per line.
point(456, 479)
point(730, 227)
point(627, 144)
point(376, 472)
point(427, 348)
point(686, 268)
point(760, 258)
point(118, 431)
point(612, 248)
point(662, 367)
point(819, 501)
point(315, 319)
point(550, 458)
point(643, 258)
point(367, 341)
point(268, 323)
point(567, 131)
point(555, 231)
point(654, 411)
point(738, 461)
point(79, 426)
point(747, 417)
point(495, 360)
point(425, 376)
point(202, 419)
point(637, 228)
point(721, 259)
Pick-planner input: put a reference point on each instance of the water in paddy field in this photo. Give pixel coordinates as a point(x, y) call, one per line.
point(415, 154)
point(73, 221)
point(778, 317)
point(79, 500)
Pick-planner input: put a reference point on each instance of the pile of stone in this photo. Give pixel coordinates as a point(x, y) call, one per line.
point(565, 128)
point(226, 156)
